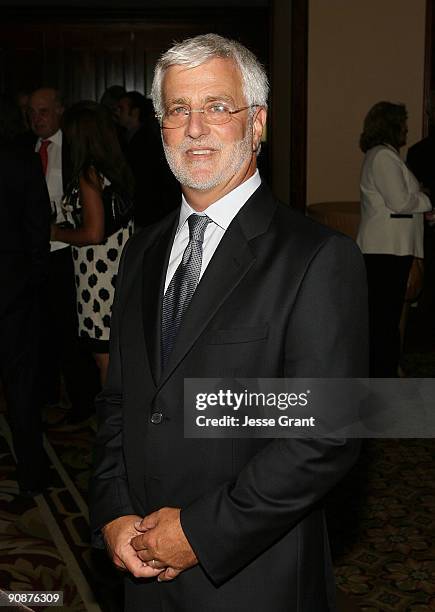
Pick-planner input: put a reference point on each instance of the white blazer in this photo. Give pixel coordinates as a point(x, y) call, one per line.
point(389, 189)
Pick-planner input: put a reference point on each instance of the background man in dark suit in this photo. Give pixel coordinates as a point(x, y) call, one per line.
point(421, 161)
point(237, 522)
point(61, 347)
point(24, 251)
point(421, 156)
point(156, 190)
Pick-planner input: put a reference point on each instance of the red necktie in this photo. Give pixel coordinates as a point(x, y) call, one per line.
point(44, 154)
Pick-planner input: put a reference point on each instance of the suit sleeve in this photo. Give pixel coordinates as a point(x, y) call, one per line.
point(36, 220)
point(326, 337)
point(109, 496)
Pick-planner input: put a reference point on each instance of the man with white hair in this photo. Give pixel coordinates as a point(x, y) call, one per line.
point(233, 284)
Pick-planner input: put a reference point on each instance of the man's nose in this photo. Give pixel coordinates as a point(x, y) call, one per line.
point(196, 125)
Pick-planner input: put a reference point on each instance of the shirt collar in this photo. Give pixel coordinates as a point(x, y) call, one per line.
point(223, 211)
point(56, 138)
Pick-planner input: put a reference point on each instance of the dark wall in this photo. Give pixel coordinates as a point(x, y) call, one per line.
point(143, 4)
point(83, 51)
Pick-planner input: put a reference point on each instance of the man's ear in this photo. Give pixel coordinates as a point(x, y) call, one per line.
point(258, 125)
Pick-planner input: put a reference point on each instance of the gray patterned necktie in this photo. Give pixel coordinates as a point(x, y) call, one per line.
point(183, 284)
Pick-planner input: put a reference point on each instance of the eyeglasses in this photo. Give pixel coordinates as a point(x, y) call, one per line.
point(215, 113)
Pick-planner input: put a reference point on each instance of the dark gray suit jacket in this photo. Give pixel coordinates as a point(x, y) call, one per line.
point(281, 297)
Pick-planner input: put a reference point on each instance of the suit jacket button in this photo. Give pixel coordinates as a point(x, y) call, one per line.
point(156, 418)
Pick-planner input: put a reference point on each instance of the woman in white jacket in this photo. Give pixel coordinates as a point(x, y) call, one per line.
point(391, 229)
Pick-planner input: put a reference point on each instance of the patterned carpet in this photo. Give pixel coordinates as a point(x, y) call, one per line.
point(44, 542)
point(389, 562)
point(382, 522)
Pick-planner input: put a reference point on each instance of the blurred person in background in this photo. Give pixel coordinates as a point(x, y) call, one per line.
point(101, 183)
point(22, 99)
point(157, 192)
point(391, 229)
point(61, 349)
point(110, 100)
point(420, 160)
point(24, 257)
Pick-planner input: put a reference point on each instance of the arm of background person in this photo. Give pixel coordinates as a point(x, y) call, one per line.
point(327, 335)
point(92, 229)
point(397, 185)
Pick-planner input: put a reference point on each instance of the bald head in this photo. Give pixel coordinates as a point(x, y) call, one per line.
point(45, 111)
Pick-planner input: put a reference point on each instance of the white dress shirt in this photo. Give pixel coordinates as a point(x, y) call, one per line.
point(221, 212)
point(54, 181)
point(389, 188)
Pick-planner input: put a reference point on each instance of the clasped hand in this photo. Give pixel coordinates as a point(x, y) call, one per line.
point(153, 546)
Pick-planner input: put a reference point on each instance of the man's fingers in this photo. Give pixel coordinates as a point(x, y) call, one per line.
point(141, 570)
point(145, 524)
point(145, 556)
point(141, 565)
point(139, 542)
point(145, 571)
point(148, 522)
point(154, 564)
point(119, 564)
point(119, 535)
point(169, 574)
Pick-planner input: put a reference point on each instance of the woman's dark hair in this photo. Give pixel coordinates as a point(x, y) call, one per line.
point(94, 143)
point(383, 125)
point(11, 120)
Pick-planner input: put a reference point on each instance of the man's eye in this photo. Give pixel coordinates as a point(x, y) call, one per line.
point(178, 110)
point(218, 108)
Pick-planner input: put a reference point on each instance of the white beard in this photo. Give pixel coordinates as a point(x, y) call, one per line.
point(233, 158)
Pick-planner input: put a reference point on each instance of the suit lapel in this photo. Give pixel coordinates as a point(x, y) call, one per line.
point(155, 264)
point(229, 264)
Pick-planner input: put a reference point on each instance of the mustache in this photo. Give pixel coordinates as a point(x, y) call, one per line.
point(205, 143)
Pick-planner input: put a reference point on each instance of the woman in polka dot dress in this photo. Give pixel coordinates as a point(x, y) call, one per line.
point(101, 175)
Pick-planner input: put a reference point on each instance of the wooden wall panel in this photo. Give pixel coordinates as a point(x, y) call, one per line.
point(21, 59)
point(141, 56)
point(83, 57)
point(82, 53)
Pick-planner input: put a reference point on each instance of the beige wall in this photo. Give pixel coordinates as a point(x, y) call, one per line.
point(360, 52)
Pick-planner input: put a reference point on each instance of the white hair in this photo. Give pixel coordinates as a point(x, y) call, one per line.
point(195, 51)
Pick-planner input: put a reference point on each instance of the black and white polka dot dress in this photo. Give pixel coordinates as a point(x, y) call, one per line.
point(96, 268)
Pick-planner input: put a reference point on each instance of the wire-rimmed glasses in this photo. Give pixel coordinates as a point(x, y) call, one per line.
point(214, 113)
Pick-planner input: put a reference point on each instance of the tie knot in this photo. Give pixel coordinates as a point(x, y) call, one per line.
point(44, 144)
point(197, 225)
